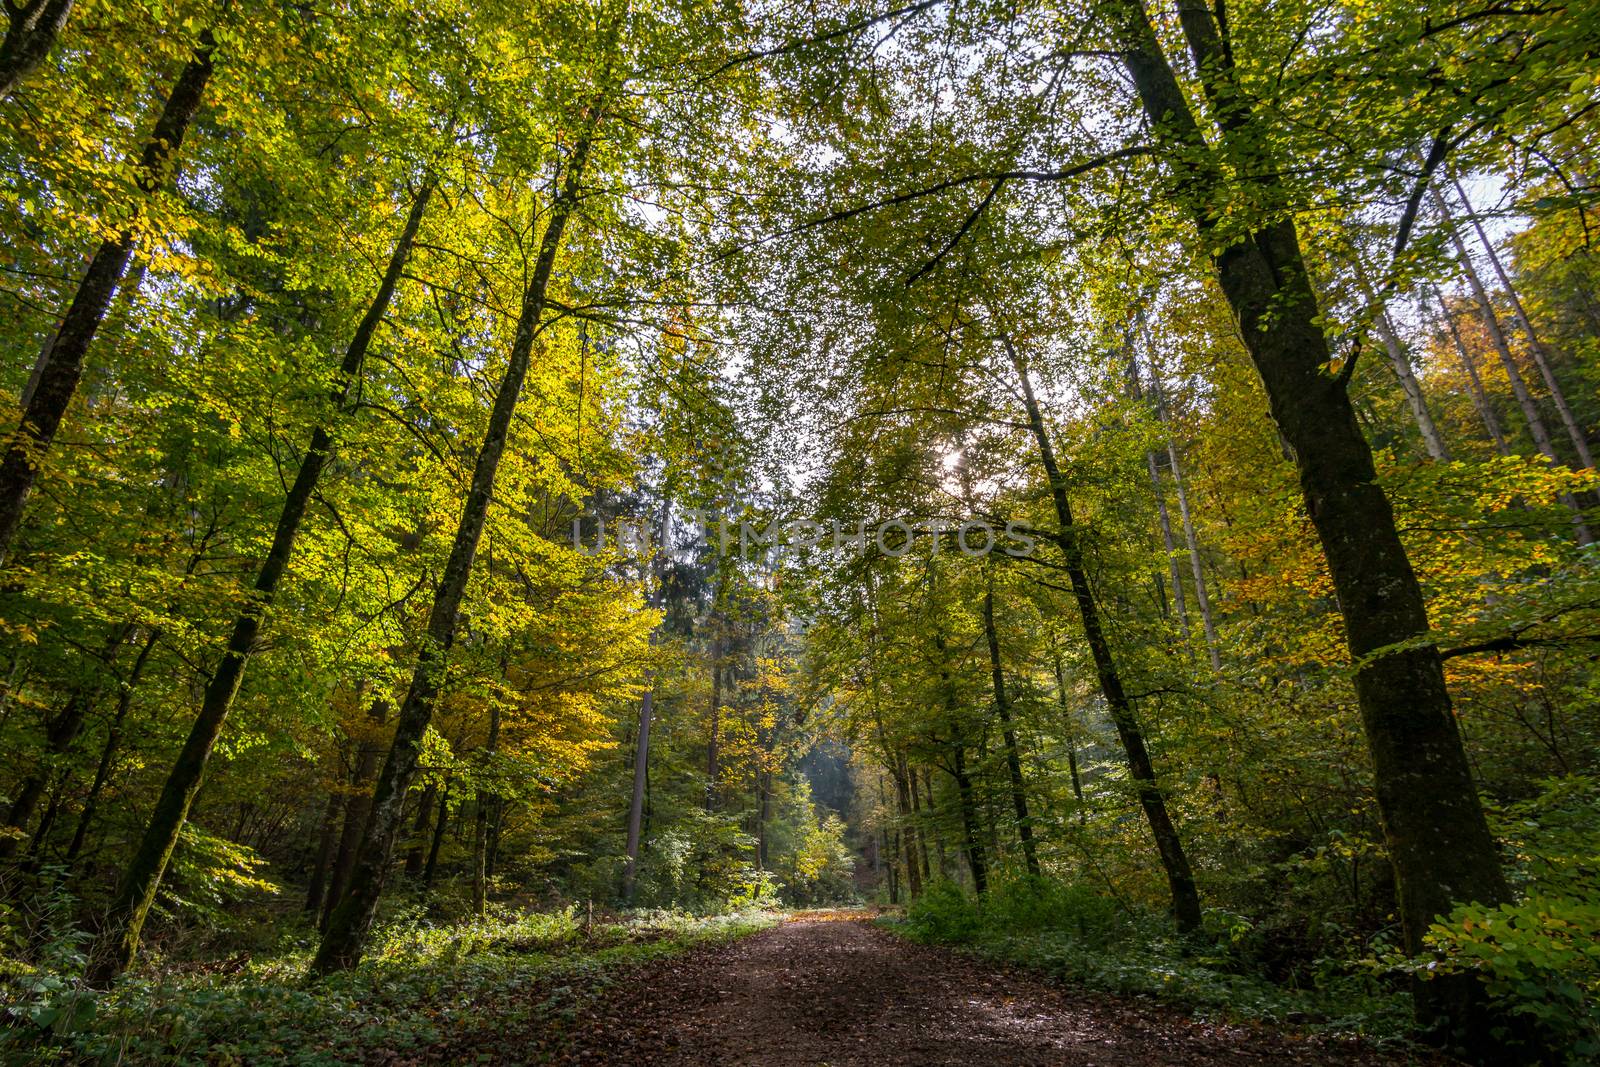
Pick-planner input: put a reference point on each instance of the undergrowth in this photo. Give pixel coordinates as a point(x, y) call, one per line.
point(1077, 935)
point(423, 986)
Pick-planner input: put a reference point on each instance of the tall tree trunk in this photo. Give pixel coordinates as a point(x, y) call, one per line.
point(480, 828)
point(440, 821)
point(1202, 595)
point(119, 937)
point(1519, 387)
point(1002, 707)
point(641, 745)
point(1169, 544)
point(763, 815)
point(60, 732)
point(1152, 798)
point(1438, 839)
point(641, 771)
point(715, 732)
point(1480, 399)
point(1163, 517)
point(108, 752)
point(347, 928)
point(976, 863)
point(61, 367)
point(1404, 373)
point(910, 773)
point(933, 821)
point(357, 807)
point(31, 29)
point(907, 833)
point(317, 884)
point(1541, 358)
point(1070, 728)
point(420, 831)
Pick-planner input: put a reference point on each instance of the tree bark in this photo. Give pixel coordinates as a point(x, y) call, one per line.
point(1480, 399)
point(976, 863)
point(1541, 358)
point(31, 30)
point(1002, 707)
point(480, 828)
point(108, 752)
point(1404, 373)
point(348, 926)
point(316, 886)
point(641, 769)
point(357, 808)
point(1070, 733)
point(1519, 387)
point(61, 366)
point(715, 732)
point(908, 834)
point(420, 831)
point(440, 822)
point(1202, 595)
point(118, 941)
point(1433, 822)
point(1152, 798)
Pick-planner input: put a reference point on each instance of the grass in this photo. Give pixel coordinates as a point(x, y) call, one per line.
point(427, 993)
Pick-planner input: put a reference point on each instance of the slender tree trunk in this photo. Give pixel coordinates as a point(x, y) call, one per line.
point(440, 822)
point(715, 732)
point(108, 752)
point(908, 834)
point(933, 822)
point(1404, 373)
point(317, 884)
point(1002, 706)
point(976, 863)
point(1163, 517)
point(61, 367)
point(1169, 543)
point(1202, 595)
point(62, 729)
point(1070, 728)
point(36, 843)
point(1432, 440)
point(924, 868)
point(1519, 387)
point(886, 848)
point(357, 807)
point(1541, 358)
point(32, 28)
point(347, 927)
point(497, 820)
point(1438, 839)
point(1480, 399)
point(641, 765)
point(1152, 798)
point(420, 831)
point(763, 815)
point(480, 829)
point(119, 937)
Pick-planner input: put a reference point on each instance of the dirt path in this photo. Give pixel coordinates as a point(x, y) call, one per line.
point(836, 990)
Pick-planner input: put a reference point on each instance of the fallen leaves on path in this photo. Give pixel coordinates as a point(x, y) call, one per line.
point(832, 990)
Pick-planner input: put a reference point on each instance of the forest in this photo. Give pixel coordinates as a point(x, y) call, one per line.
point(700, 531)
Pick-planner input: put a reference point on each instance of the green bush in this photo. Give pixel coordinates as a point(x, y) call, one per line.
point(1540, 960)
point(944, 913)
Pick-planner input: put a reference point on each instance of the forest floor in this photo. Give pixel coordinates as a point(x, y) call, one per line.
point(835, 989)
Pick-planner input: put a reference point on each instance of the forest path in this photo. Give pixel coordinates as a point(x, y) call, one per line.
point(834, 989)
